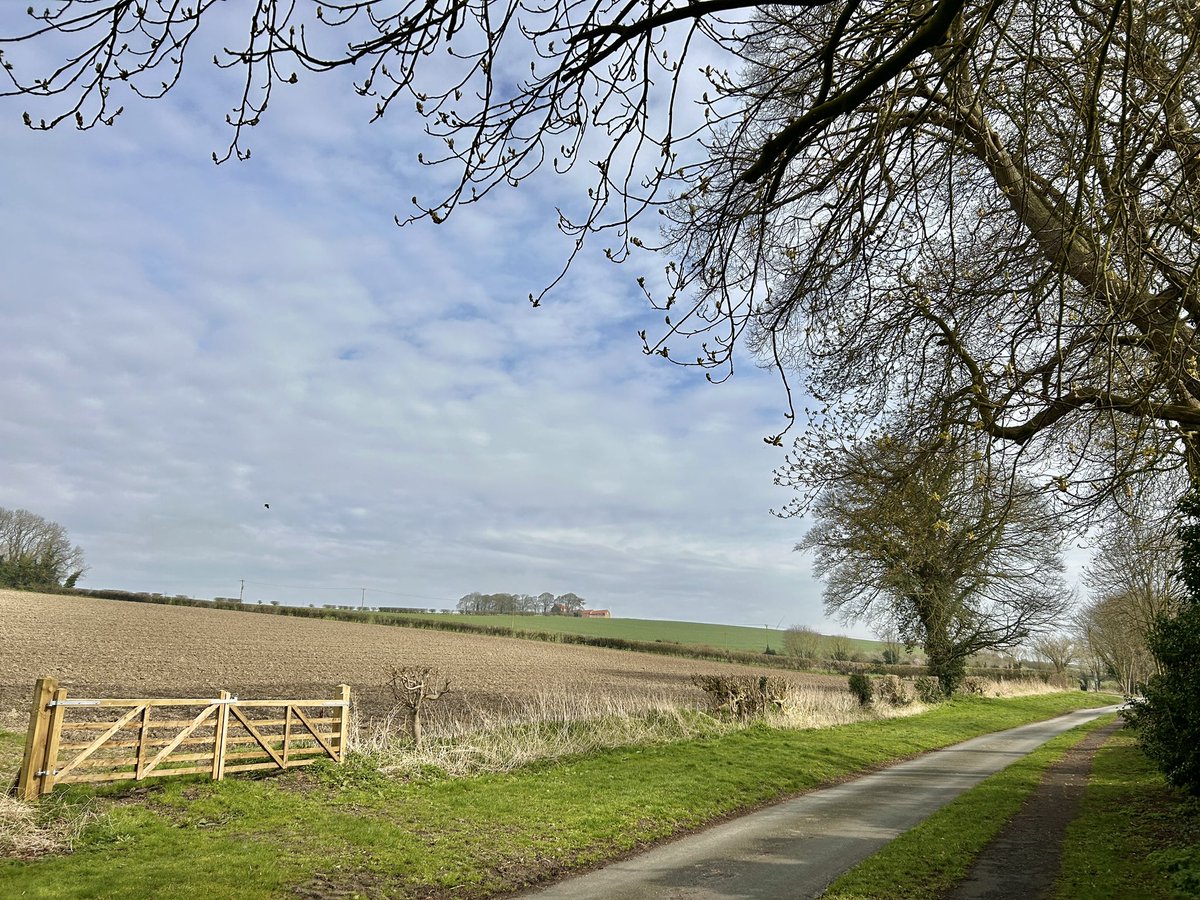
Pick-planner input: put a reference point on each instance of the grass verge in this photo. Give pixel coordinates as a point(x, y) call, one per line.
point(466, 740)
point(348, 830)
point(929, 860)
point(1135, 836)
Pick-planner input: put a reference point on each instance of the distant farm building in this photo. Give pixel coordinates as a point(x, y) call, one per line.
point(595, 614)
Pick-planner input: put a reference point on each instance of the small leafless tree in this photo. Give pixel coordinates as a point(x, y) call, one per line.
point(839, 647)
point(1058, 650)
point(893, 647)
point(803, 642)
point(413, 687)
point(1132, 584)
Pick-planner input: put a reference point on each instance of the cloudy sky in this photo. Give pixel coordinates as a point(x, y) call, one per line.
point(184, 343)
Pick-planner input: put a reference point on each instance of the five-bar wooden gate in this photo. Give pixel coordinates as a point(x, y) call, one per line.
point(73, 740)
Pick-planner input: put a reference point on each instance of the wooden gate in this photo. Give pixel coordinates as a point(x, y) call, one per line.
point(74, 740)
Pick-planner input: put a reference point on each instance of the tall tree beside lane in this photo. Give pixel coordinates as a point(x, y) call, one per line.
point(933, 542)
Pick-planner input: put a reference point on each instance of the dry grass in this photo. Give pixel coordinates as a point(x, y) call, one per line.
point(29, 831)
point(520, 732)
point(1016, 687)
point(554, 726)
point(1026, 688)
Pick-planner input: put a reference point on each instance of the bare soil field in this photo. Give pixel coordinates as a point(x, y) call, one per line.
point(113, 648)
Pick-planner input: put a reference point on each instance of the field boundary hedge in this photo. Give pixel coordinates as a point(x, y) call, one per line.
point(663, 648)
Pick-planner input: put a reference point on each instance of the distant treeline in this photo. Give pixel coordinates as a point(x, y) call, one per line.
point(544, 604)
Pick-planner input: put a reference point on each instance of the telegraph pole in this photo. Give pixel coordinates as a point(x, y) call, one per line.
point(242, 590)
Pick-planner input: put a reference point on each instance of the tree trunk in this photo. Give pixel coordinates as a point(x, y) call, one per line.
point(414, 723)
point(945, 662)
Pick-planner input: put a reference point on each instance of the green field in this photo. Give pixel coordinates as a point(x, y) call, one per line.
point(754, 639)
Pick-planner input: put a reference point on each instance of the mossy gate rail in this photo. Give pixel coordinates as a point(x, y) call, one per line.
point(74, 740)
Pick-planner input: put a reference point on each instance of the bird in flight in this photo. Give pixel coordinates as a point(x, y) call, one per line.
point(267, 505)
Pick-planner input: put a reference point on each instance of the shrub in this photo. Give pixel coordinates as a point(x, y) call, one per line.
point(744, 696)
point(891, 690)
point(802, 642)
point(973, 684)
point(929, 689)
point(950, 671)
point(1168, 715)
point(860, 687)
point(840, 649)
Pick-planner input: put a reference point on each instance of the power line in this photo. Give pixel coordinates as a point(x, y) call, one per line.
point(310, 587)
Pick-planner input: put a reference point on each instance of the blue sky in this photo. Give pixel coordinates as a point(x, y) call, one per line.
point(184, 343)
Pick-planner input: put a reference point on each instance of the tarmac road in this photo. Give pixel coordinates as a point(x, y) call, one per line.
point(798, 847)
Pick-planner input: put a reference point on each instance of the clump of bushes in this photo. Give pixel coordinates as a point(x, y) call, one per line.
point(973, 684)
point(744, 696)
point(860, 687)
point(1168, 714)
point(886, 689)
point(929, 689)
point(891, 690)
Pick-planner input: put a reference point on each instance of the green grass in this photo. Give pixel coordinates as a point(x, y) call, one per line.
point(754, 639)
point(1135, 836)
point(346, 829)
point(12, 748)
point(929, 860)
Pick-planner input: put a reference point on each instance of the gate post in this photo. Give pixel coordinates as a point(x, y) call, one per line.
point(344, 725)
point(53, 734)
point(220, 730)
point(28, 781)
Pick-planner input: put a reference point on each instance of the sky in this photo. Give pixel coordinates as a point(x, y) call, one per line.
point(184, 344)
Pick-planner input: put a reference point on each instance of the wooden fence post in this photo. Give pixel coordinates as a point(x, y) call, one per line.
point(287, 735)
point(53, 733)
point(219, 731)
point(143, 736)
point(35, 739)
point(344, 725)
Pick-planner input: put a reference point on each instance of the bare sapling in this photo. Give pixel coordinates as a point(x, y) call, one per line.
point(413, 687)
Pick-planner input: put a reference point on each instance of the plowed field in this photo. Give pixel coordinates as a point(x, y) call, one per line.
point(115, 648)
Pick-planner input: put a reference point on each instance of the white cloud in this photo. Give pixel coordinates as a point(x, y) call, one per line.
point(185, 343)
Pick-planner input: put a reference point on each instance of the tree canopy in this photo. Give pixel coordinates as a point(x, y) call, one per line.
point(525, 604)
point(36, 553)
point(980, 213)
point(1132, 585)
point(932, 541)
